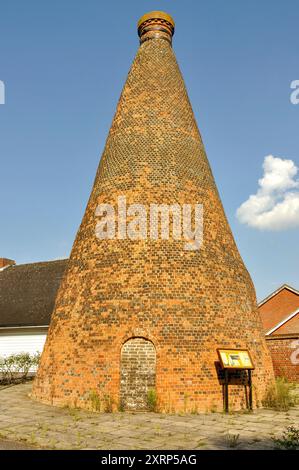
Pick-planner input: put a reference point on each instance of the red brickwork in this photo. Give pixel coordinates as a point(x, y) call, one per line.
point(187, 303)
point(278, 307)
point(285, 356)
point(289, 327)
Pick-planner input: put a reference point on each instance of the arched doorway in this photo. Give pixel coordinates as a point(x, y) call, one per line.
point(137, 373)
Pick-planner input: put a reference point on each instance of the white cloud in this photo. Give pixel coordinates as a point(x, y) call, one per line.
point(275, 206)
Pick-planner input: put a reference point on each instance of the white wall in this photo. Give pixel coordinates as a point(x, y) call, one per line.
point(17, 340)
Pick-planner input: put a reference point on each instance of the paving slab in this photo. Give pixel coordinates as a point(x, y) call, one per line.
point(29, 423)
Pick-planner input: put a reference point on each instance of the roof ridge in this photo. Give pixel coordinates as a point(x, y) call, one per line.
point(41, 262)
point(275, 292)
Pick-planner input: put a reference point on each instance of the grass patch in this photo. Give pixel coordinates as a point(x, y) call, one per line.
point(152, 399)
point(95, 401)
point(232, 440)
point(201, 443)
point(108, 404)
point(280, 396)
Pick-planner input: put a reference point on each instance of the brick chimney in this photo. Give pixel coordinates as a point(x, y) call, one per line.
point(143, 315)
point(5, 262)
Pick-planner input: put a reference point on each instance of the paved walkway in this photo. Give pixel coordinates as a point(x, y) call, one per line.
point(35, 424)
point(13, 445)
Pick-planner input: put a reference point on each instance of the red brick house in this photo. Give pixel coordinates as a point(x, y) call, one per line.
point(280, 317)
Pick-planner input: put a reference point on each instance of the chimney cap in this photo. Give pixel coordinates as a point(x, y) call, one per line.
point(156, 25)
point(161, 15)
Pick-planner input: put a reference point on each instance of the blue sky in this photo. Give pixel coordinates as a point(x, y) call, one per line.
point(64, 64)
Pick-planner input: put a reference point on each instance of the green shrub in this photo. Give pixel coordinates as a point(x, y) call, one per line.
point(289, 440)
point(15, 368)
point(279, 395)
point(152, 399)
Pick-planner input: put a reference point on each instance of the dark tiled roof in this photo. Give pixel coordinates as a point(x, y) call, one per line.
point(28, 292)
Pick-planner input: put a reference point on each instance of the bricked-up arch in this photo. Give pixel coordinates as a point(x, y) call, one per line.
point(137, 373)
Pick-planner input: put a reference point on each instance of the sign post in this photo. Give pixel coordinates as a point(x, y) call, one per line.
point(238, 359)
point(250, 388)
point(226, 390)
